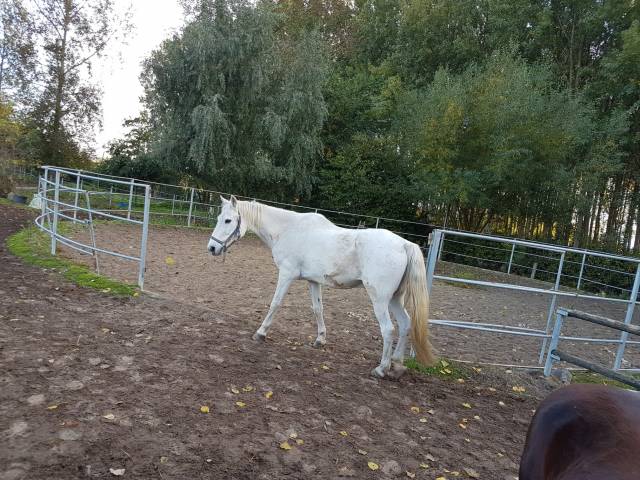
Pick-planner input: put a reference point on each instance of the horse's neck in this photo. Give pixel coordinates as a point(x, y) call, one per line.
point(266, 222)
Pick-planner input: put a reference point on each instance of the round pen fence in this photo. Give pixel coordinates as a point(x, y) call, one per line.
point(83, 198)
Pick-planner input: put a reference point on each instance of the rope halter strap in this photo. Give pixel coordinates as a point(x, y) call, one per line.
point(232, 236)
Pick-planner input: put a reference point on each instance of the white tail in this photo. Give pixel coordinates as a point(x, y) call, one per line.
point(416, 302)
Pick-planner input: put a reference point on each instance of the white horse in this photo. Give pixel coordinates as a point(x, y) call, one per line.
point(307, 246)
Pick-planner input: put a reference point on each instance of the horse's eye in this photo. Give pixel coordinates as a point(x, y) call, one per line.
point(228, 220)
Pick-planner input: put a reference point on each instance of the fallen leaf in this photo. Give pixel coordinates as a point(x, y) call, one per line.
point(430, 457)
point(118, 472)
point(109, 416)
point(324, 367)
point(248, 388)
point(476, 417)
point(461, 380)
point(466, 405)
point(415, 409)
point(362, 452)
point(293, 435)
point(235, 390)
point(467, 440)
point(164, 459)
point(285, 446)
point(136, 294)
point(476, 369)
point(299, 441)
point(441, 478)
point(241, 404)
point(169, 261)
point(204, 409)
point(471, 472)
point(491, 389)
point(462, 426)
point(423, 420)
point(373, 466)
point(343, 433)
point(52, 407)
point(518, 389)
point(431, 411)
point(444, 363)
point(268, 395)
point(410, 474)
point(424, 466)
point(501, 403)
point(105, 330)
point(448, 371)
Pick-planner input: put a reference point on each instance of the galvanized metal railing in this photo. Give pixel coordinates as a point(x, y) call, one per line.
point(52, 186)
point(554, 292)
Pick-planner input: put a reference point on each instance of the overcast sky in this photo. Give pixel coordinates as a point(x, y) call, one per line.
point(153, 21)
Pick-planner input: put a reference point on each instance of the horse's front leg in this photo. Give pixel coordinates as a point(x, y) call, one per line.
point(284, 281)
point(315, 289)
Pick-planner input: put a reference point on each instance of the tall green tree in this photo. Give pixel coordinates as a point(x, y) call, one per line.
point(17, 50)
point(236, 104)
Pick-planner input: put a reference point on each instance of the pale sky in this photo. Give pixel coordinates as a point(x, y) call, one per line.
point(153, 21)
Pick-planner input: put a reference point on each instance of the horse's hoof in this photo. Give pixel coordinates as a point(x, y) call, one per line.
point(377, 372)
point(258, 337)
point(396, 371)
point(319, 343)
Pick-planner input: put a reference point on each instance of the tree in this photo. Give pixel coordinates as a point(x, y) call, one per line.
point(237, 105)
point(74, 33)
point(17, 50)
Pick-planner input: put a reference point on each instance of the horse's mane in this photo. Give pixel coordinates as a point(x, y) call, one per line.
point(251, 212)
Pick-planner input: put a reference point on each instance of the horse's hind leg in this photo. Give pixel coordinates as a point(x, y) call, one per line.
point(381, 309)
point(316, 302)
point(284, 281)
point(404, 323)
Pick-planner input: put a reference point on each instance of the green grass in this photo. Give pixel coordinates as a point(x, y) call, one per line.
point(9, 203)
point(32, 246)
point(596, 378)
point(444, 369)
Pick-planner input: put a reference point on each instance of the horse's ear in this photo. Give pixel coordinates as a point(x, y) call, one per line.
point(234, 201)
point(223, 200)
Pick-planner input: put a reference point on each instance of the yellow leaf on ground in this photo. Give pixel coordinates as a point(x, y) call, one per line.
point(441, 478)
point(423, 420)
point(52, 407)
point(268, 395)
point(410, 474)
point(285, 446)
point(518, 389)
point(476, 417)
point(241, 404)
point(448, 371)
point(169, 261)
point(136, 294)
point(204, 409)
point(466, 405)
point(293, 435)
point(415, 409)
point(471, 472)
point(362, 452)
point(324, 367)
point(424, 466)
point(444, 363)
point(373, 466)
point(235, 390)
point(299, 441)
point(248, 388)
point(343, 433)
point(109, 416)
point(461, 380)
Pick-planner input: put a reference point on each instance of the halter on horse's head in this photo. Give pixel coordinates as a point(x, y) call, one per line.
point(228, 227)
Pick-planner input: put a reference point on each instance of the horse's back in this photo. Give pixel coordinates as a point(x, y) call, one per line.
point(582, 431)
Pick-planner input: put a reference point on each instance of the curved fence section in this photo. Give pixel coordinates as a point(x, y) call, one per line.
point(68, 196)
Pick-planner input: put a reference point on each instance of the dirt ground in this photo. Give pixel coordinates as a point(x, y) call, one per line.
point(89, 383)
point(179, 267)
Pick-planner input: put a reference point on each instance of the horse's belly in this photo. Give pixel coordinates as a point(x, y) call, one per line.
point(341, 282)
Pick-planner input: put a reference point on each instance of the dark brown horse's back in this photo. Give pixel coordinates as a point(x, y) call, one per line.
point(584, 432)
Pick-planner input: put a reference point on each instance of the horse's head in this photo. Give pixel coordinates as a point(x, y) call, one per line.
point(228, 227)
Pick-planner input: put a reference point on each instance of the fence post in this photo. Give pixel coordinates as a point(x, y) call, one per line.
point(555, 336)
point(627, 319)
point(513, 249)
point(440, 245)
point(145, 235)
point(190, 207)
point(377, 221)
point(432, 257)
point(56, 199)
point(92, 231)
point(173, 204)
point(533, 270)
point(75, 202)
point(130, 200)
point(110, 196)
point(584, 258)
point(552, 306)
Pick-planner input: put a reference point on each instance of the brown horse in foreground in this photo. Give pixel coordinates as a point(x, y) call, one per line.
point(584, 432)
